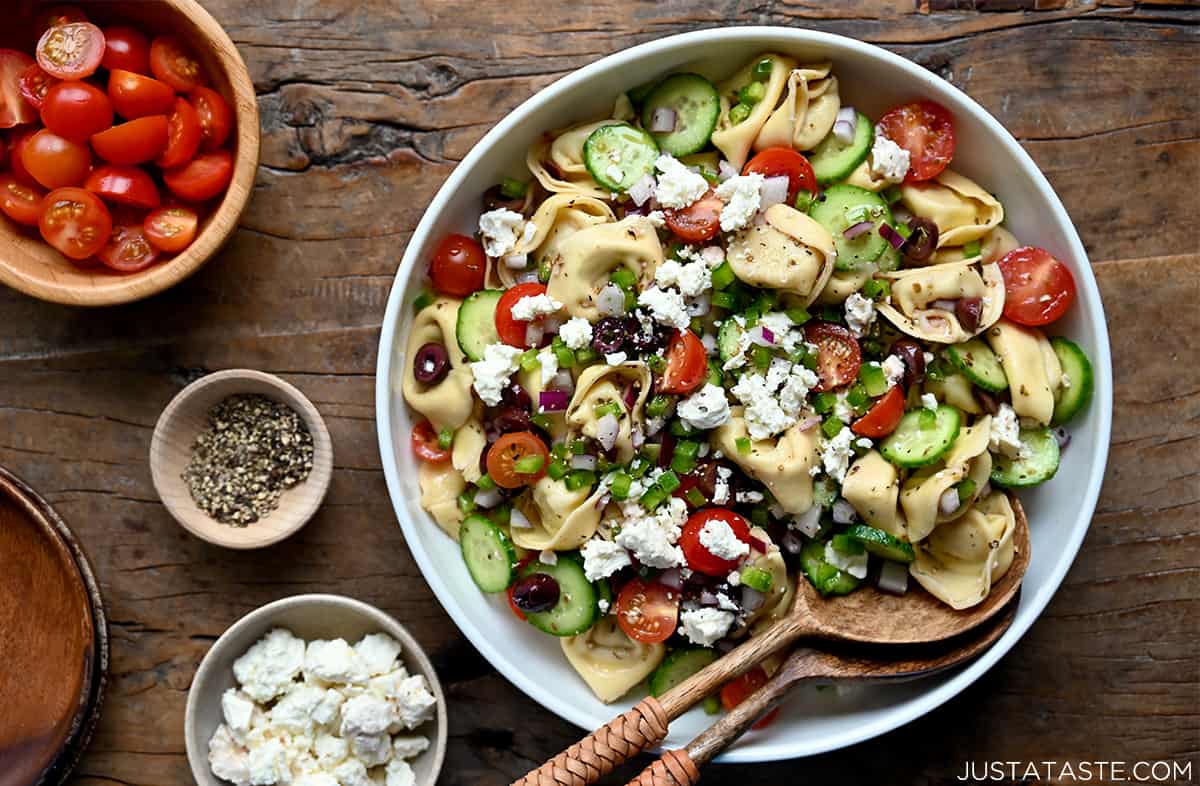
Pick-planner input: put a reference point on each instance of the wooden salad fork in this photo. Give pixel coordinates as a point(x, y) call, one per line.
point(682, 767)
point(867, 616)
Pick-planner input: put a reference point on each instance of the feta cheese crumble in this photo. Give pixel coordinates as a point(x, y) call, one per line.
point(705, 409)
point(721, 487)
point(854, 564)
point(718, 537)
point(602, 558)
point(491, 374)
point(548, 363)
point(616, 358)
point(893, 369)
point(929, 401)
point(836, 454)
point(1004, 435)
point(501, 230)
point(888, 160)
point(742, 195)
point(576, 333)
point(666, 306)
point(652, 537)
point(860, 313)
point(678, 186)
point(773, 401)
point(692, 279)
point(531, 307)
point(706, 626)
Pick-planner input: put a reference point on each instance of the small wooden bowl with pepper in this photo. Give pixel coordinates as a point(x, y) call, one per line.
point(236, 468)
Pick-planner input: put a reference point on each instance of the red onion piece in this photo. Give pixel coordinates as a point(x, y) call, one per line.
point(610, 301)
point(843, 125)
point(810, 422)
point(758, 337)
point(809, 522)
point(791, 543)
point(891, 235)
point(768, 334)
point(662, 121)
point(752, 599)
point(516, 261)
point(854, 230)
point(534, 333)
point(949, 501)
point(551, 324)
point(893, 577)
point(642, 191)
point(563, 381)
point(671, 579)
point(712, 255)
point(630, 396)
point(707, 598)
point(488, 499)
point(725, 170)
point(607, 430)
point(552, 400)
point(527, 277)
point(759, 545)
point(518, 520)
point(773, 191)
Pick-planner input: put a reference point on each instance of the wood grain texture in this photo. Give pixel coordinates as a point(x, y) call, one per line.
point(366, 107)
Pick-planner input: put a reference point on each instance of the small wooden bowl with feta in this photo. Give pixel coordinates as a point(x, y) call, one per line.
point(316, 690)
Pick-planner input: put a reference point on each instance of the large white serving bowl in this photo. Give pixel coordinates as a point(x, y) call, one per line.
point(872, 80)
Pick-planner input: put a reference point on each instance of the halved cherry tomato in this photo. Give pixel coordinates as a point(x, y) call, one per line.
point(204, 177)
point(1038, 289)
point(75, 222)
point(883, 416)
point(926, 130)
point(172, 61)
point(134, 95)
point(172, 228)
point(458, 266)
point(512, 331)
point(127, 250)
point(183, 135)
point(697, 554)
point(785, 162)
point(124, 185)
point(838, 355)
point(699, 221)
point(647, 611)
point(56, 15)
point(125, 49)
point(76, 110)
point(425, 444)
point(687, 363)
point(35, 83)
point(20, 202)
point(216, 118)
point(16, 151)
point(507, 451)
point(133, 142)
point(737, 690)
point(71, 51)
point(55, 162)
point(14, 109)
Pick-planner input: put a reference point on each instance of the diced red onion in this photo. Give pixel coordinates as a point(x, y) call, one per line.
point(672, 579)
point(759, 545)
point(607, 429)
point(932, 323)
point(752, 599)
point(893, 577)
point(725, 170)
point(854, 230)
point(710, 343)
point(949, 501)
point(534, 333)
point(943, 304)
point(518, 520)
point(527, 277)
point(791, 543)
point(809, 522)
point(810, 422)
point(602, 501)
point(1062, 437)
point(708, 598)
point(844, 512)
point(552, 400)
point(488, 499)
point(662, 121)
point(630, 396)
point(611, 301)
point(773, 191)
point(761, 336)
point(563, 381)
point(843, 125)
point(516, 261)
point(890, 235)
point(638, 438)
point(712, 255)
point(642, 191)
point(699, 305)
point(583, 462)
point(551, 324)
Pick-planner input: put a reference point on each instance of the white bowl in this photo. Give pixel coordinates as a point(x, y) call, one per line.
point(872, 80)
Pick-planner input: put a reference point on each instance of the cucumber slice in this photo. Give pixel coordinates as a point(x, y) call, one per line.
point(488, 552)
point(880, 543)
point(577, 608)
point(728, 337)
point(890, 259)
point(832, 159)
point(911, 446)
point(1077, 373)
point(1038, 464)
point(979, 363)
point(696, 105)
point(618, 156)
point(827, 579)
point(476, 326)
point(843, 206)
point(678, 666)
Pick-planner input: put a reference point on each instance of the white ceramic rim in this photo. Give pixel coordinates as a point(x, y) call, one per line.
point(1032, 604)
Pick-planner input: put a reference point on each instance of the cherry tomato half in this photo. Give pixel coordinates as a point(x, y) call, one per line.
point(737, 690)
point(133, 142)
point(35, 83)
point(216, 118)
point(125, 49)
point(183, 135)
point(785, 162)
point(204, 177)
point(55, 162)
point(458, 266)
point(687, 364)
point(123, 185)
point(16, 154)
point(71, 51)
point(127, 250)
point(838, 355)
point(425, 444)
point(647, 611)
point(504, 454)
point(171, 229)
point(76, 110)
point(75, 222)
point(512, 331)
point(926, 130)
point(883, 416)
point(14, 109)
point(697, 554)
point(697, 222)
point(134, 95)
point(1038, 289)
point(20, 202)
point(172, 61)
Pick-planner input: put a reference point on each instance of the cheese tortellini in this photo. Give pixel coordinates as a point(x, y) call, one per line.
point(440, 487)
point(735, 140)
point(961, 209)
point(610, 662)
point(1033, 369)
point(560, 519)
point(599, 387)
point(963, 558)
point(556, 160)
point(807, 112)
point(588, 257)
point(446, 403)
point(872, 487)
point(921, 494)
point(992, 247)
point(842, 284)
point(790, 252)
point(780, 463)
point(469, 444)
point(920, 296)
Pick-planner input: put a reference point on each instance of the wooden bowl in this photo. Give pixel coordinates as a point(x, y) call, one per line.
point(55, 636)
point(308, 617)
point(28, 264)
point(171, 449)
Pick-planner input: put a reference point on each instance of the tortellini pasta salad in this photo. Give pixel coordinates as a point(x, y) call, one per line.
point(736, 336)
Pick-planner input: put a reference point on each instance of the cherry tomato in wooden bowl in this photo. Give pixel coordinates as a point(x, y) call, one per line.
point(135, 95)
point(183, 135)
point(202, 178)
point(133, 142)
point(173, 61)
point(75, 222)
point(71, 51)
point(75, 110)
point(124, 185)
point(20, 202)
point(55, 162)
point(172, 228)
point(14, 109)
point(126, 49)
point(216, 118)
point(35, 83)
point(127, 250)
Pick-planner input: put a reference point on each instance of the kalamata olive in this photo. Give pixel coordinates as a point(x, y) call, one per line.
point(987, 401)
point(969, 310)
point(923, 241)
point(610, 334)
point(516, 396)
point(494, 199)
point(914, 360)
point(647, 336)
point(510, 418)
point(536, 592)
point(431, 363)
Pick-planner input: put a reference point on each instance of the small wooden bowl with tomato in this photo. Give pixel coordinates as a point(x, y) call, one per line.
point(129, 141)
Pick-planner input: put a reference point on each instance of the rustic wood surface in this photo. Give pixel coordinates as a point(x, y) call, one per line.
point(366, 107)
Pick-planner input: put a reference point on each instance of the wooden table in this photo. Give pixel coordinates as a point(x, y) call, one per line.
point(366, 106)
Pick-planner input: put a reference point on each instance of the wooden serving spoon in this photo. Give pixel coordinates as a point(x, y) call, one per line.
point(867, 616)
point(804, 665)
